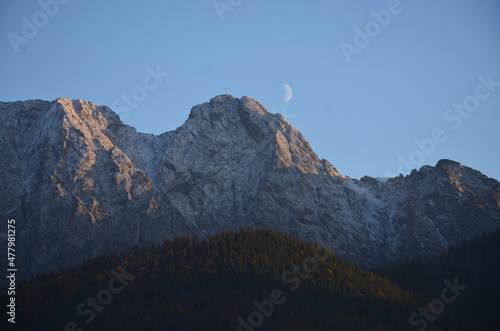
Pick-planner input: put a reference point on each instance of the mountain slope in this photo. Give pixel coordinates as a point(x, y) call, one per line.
point(474, 265)
point(80, 183)
point(186, 284)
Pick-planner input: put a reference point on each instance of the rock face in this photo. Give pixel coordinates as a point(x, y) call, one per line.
point(80, 183)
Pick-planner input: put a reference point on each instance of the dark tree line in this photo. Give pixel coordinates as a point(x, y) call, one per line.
point(191, 284)
point(475, 264)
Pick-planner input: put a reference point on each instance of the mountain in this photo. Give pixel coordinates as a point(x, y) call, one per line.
point(80, 183)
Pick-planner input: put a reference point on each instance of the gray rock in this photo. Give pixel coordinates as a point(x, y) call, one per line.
point(80, 183)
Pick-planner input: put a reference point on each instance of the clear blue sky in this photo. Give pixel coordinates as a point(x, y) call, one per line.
point(363, 115)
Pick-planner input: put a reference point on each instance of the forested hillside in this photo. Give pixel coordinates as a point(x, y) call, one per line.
point(235, 280)
point(475, 265)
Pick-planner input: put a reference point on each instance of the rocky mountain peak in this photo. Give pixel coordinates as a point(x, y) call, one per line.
point(81, 183)
point(443, 163)
point(232, 119)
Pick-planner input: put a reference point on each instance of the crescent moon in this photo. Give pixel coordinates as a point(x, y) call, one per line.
point(287, 93)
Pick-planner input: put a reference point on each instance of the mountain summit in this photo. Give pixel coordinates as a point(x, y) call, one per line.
point(80, 183)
